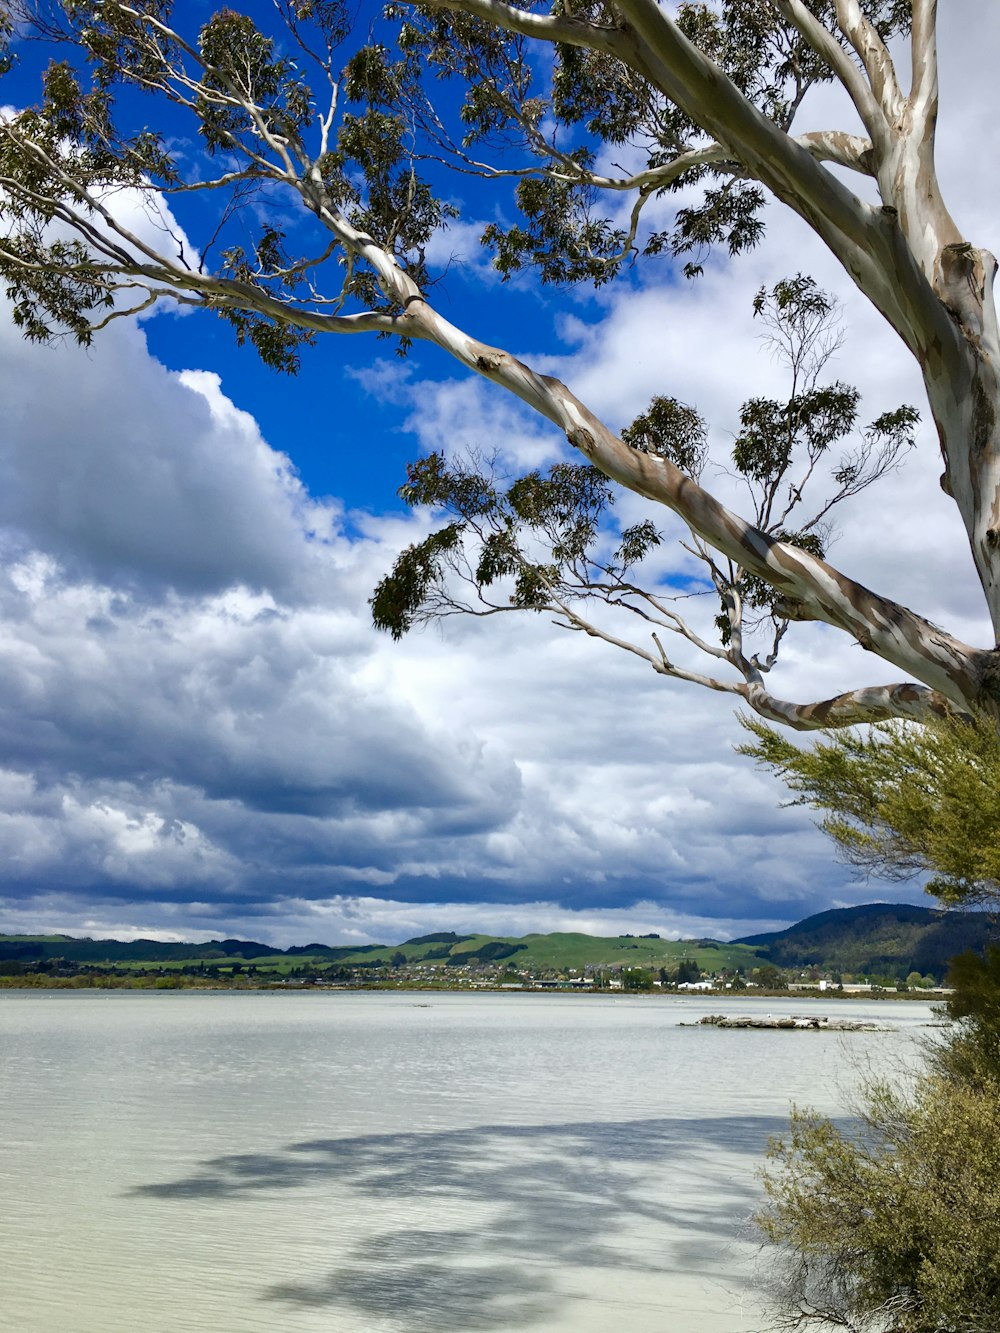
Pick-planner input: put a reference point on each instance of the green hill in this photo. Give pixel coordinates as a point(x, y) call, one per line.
point(891, 938)
point(542, 952)
point(878, 938)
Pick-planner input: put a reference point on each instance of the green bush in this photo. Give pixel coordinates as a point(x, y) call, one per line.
point(893, 1225)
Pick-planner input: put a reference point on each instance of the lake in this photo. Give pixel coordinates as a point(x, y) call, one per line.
point(398, 1163)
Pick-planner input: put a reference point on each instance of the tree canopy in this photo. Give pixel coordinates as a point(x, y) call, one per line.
point(309, 157)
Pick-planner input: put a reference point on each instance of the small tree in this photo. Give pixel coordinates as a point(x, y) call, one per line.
point(688, 972)
point(770, 977)
point(893, 1227)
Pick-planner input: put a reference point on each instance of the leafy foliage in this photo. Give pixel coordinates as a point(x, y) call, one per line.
point(535, 536)
point(670, 429)
point(900, 799)
point(417, 574)
point(972, 1056)
point(895, 1227)
point(256, 99)
point(548, 542)
point(892, 1224)
point(254, 110)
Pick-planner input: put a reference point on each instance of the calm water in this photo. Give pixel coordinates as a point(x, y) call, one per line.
point(395, 1163)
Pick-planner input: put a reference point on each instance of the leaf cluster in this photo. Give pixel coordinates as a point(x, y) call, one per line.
point(60, 152)
point(563, 234)
point(900, 799)
point(670, 429)
point(241, 66)
point(525, 544)
point(784, 444)
point(892, 1224)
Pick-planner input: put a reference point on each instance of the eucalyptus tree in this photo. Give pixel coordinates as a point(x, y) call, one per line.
point(541, 98)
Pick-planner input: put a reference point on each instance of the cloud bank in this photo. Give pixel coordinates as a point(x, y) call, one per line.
point(200, 733)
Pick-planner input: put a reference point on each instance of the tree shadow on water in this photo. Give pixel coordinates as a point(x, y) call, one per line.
point(502, 1212)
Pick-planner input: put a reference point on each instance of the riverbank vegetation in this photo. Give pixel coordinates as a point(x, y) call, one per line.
point(892, 1224)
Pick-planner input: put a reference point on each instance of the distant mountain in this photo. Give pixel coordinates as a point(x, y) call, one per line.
point(26, 948)
point(877, 938)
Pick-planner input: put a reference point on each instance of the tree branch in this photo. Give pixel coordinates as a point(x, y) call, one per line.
point(658, 50)
point(844, 150)
point(891, 631)
point(840, 148)
point(876, 703)
point(861, 237)
point(829, 50)
point(869, 242)
point(659, 661)
point(567, 30)
point(874, 55)
point(924, 80)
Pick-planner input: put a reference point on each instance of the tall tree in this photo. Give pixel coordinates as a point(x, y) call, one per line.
point(694, 95)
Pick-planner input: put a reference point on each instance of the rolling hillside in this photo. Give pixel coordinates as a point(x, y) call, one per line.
point(878, 937)
point(555, 951)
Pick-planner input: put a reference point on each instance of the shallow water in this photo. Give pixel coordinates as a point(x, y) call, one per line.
point(397, 1163)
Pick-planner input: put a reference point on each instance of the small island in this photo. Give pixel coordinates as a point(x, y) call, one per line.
point(793, 1022)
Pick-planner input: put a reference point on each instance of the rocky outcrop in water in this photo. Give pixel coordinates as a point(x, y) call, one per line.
point(789, 1022)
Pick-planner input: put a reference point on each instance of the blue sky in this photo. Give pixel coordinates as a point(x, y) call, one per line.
point(200, 732)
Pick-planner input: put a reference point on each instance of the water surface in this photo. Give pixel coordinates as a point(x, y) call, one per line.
point(396, 1163)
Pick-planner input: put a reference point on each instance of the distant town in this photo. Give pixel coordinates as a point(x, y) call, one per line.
point(876, 949)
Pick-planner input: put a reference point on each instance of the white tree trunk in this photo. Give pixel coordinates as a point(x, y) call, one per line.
point(965, 402)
